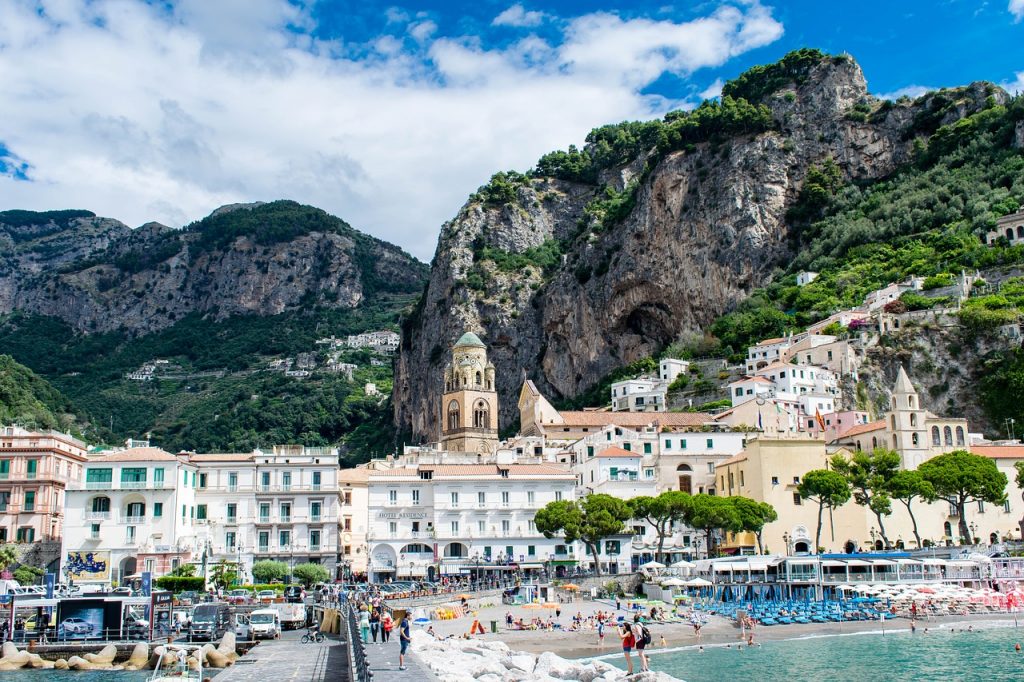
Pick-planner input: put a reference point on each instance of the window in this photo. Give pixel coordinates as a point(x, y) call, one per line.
point(1006, 505)
point(26, 535)
point(264, 541)
point(264, 512)
point(346, 524)
point(959, 435)
point(481, 415)
point(314, 512)
point(648, 473)
point(947, 435)
point(913, 438)
point(158, 509)
point(393, 528)
point(232, 512)
point(558, 496)
point(509, 551)
point(392, 497)
point(202, 480)
point(158, 476)
point(229, 540)
point(33, 468)
point(133, 477)
point(668, 445)
point(453, 415)
point(711, 467)
point(415, 497)
point(647, 448)
point(94, 531)
point(314, 541)
point(590, 451)
point(981, 506)
point(5, 469)
point(346, 498)
point(741, 478)
point(317, 480)
point(130, 534)
point(193, 479)
point(5, 499)
point(481, 499)
point(628, 447)
point(682, 444)
point(286, 512)
point(232, 482)
point(481, 527)
point(796, 499)
point(286, 480)
point(739, 390)
point(30, 500)
point(531, 550)
point(455, 499)
point(796, 480)
point(284, 538)
point(455, 527)
point(505, 526)
point(504, 498)
point(711, 443)
point(184, 512)
point(201, 512)
point(529, 498)
point(265, 480)
point(101, 504)
point(184, 478)
point(611, 547)
point(98, 475)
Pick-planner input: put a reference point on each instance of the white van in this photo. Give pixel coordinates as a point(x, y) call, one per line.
point(265, 624)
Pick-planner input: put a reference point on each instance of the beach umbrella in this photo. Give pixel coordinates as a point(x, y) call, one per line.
point(683, 563)
point(673, 582)
point(698, 582)
point(570, 586)
point(845, 588)
point(653, 565)
point(421, 621)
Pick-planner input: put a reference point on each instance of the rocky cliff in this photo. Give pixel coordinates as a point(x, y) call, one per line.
point(99, 275)
point(567, 274)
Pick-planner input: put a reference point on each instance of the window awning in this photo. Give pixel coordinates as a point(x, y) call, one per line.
point(832, 562)
point(909, 562)
point(882, 562)
point(856, 562)
point(528, 566)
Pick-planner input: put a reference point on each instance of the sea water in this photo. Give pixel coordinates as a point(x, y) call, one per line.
point(946, 654)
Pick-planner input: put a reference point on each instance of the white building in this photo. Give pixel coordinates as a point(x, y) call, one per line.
point(670, 368)
point(1009, 227)
point(880, 297)
point(136, 508)
point(639, 395)
point(462, 519)
point(381, 341)
point(767, 352)
point(804, 278)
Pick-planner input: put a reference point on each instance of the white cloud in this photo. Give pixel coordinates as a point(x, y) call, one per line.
point(713, 90)
point(518, 17)
point(1016, 86)
point(140, 112)
point(911, 91)
point(1016, 8)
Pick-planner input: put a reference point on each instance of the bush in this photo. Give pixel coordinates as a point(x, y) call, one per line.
point(177, 584)
point(268, 571)
point(943, 279)
point(915, 301)
point(310, 574)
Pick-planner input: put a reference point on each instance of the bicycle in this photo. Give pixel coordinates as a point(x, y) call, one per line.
point(313, 636)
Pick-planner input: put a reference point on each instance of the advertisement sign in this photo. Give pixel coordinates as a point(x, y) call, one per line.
point(80, 619)
point(51, 579)
point(147, 583)
point(88, 566)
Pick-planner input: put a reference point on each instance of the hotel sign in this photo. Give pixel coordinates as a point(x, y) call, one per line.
point(401, 515)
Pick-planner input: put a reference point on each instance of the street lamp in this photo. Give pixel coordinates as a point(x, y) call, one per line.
point(786, 539)
point(974, 532)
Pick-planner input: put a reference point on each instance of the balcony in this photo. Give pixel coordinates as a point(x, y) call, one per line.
point(314, 518)
point(94, 536)
point(263, 549)
point(99, 485)
point(314, 548)
point(232, 487)
point(98, 515)
point(232, 520)
point(263, 519)
point(285, 518)
point(133, 520)
point(133, 485)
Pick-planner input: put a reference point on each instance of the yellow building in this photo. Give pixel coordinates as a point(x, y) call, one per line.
point(469, 407)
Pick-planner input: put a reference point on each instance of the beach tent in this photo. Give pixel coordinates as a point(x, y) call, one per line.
point(698, 582)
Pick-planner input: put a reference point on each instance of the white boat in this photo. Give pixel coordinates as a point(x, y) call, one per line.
point(179, 670)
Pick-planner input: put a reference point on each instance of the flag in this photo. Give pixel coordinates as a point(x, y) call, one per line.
point(819, 419)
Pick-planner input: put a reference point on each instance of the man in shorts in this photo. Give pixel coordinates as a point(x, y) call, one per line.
point(404, 637)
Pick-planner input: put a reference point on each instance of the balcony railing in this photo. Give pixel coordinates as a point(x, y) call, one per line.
point(314, 518)
point(132, 519)
point(98, 515)
point(314, 548)
point(232, 519)
point(285, 518)
point(99, 485)
point(133, 485)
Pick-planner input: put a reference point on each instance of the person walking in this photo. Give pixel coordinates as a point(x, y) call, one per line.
point(640, 637)
point(626, 634)
point(404, 637)
point(364, 624)
point(374, 624)
point(385, 626)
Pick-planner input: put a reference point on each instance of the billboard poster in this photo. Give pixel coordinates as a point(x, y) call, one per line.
point(88, 566)
point(80, 619)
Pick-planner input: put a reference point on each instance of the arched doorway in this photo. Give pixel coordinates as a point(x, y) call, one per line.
point(127, 567)
point(879, 546)
point(850, 547)
point(993, 538)
point(456, 550)
point(801, 547)
point(685, 473)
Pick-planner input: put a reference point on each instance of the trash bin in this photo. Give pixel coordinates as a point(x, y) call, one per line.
point(494, 626)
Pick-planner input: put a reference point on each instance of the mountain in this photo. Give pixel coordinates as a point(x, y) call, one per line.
point(257, 259)
point(656, 233)
point(186, 335)
point(29, 400)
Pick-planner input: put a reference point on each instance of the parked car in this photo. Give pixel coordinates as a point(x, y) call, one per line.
point(240, 596)
point(266, 595)
point(188, 598)
point(294, 594)
point(74, 627)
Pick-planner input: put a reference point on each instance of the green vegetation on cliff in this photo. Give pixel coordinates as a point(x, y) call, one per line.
point(29, 400)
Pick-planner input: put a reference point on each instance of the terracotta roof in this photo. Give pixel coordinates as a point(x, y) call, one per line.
point(741, 457)
point(864, 428)
point(355, 475)
point(399, 471)
point(769, 342)
point(999, 451)
point(616, 451)
point(221, 457)
point(755, 378)
point(632, 419)
point(139, 455)
point(776, 365)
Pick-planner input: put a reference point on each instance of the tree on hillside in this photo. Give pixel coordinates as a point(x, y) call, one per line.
point(660, 512)
point(710, 513)
point(754, 516)
point(960, 477)
point(310, 574)
point(907, 486)
point(268, 571)
point(828, 489)
point(868, 474)
point(589, 520)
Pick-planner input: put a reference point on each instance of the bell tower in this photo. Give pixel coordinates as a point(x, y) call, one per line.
point(469, 407)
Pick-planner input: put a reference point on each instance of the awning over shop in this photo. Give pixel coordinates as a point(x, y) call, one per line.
point(531, 566)
point(563, 562)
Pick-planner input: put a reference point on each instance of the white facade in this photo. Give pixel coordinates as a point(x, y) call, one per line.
point(140, 505)
point(767, 352)
point(670, 368)
point(804, 278)
point(750, 388)
point(382, 341)
point(639, 395)
point(433, 520)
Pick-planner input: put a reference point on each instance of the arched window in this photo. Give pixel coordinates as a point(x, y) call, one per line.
point(947, 529)
point(959, 435)
point(874, 442)
point(479, 379)
point(1009, 233)
point(895, 443)
point(453, 416)
point(913, 438)
point(947, 434)
point(910, 401)
point(101, 504)
point(481, 415)
point(913, 419)
point(136, 509)
point(936, 437)
point(892, 420)
point(1020, 231)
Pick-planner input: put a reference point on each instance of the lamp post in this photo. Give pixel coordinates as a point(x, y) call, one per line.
point(785, 539)
point(239, 574)
point(974, 532)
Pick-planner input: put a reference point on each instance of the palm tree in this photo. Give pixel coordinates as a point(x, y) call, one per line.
point(8, 556)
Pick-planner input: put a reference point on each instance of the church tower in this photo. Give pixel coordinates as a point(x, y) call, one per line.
point(906, 427)
point(469, 408)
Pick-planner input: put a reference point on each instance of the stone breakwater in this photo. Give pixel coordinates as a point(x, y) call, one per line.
point(470, 660)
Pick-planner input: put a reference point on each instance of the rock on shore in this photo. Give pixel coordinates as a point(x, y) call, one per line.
point(470, 660)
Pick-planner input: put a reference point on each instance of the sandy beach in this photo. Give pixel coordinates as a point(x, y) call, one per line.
point(716, 632)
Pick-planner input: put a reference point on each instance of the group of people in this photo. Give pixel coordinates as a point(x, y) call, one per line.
point(376, 620)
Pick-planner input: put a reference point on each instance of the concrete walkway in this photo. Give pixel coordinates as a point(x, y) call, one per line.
point(383, 660)
point(289, 660)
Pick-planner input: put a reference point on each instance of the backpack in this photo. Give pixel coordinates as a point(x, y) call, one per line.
point(645, 634)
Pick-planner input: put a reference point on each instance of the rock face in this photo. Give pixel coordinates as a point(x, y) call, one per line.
point(708, 225)
point(99, 275)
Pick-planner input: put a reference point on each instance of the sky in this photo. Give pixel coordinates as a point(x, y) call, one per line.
point(390, 115)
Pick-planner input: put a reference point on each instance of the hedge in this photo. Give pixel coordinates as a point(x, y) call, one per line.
point(181, 583)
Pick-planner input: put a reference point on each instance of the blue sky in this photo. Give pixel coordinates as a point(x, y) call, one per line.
point(390, 114)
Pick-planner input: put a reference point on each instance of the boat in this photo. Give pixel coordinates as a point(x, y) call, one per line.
point(179, 670)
